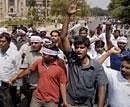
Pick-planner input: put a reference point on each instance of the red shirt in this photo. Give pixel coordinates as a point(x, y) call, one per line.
point(50, 78)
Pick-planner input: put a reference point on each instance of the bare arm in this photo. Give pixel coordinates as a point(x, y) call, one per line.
point(64, 34)
point(108, 35)
point(19, 74)
point(63, 93)
point(108, 53)
point(101, 95)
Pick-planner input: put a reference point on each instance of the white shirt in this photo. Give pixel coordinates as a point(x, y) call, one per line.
point(13, 46)
point(118, 89)
point(98, 55)
point(9, 64)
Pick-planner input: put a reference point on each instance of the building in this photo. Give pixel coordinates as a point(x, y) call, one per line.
point(12, 8)
point(43, 5)
point(18, 8)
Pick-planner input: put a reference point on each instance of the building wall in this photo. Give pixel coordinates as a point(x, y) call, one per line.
point(12, 8)
point(18, 8)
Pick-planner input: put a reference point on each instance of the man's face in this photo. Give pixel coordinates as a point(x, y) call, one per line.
point(43, 33)
point(116, 34)
point(47, 58)
point(99, 49)
point(83, 33)
point(55, 37)
point(20, 34)
point(121, 45)
point(125, 69)
point(4, 44)
point(81, 51)
point(36, 46)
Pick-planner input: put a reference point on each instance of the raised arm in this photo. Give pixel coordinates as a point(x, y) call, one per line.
point(113, 50)
point(64, 34)
point(108, 35)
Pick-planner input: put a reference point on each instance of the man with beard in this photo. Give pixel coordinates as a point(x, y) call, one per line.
point(118, 81)
point(52, 79)
point(28, 57)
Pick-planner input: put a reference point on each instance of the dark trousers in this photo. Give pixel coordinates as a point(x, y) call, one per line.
point(15, 96)
point(27, 90)
point(5, 96)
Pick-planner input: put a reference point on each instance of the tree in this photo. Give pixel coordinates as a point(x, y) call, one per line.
point(58, 7)
point(84, 9)
point(31, 3)
point(120, 9)
point(98, 12)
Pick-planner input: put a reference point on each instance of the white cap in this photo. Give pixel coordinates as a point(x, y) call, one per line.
point(36, 39)
point(2, 29)
point(21, 31)
point(30, 29)
point(122, 39)
point(42, 29)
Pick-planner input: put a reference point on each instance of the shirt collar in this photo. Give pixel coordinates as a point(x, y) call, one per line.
point(7, 52)
point(91, 64)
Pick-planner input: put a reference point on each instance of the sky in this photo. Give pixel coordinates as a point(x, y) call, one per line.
point(98, 3)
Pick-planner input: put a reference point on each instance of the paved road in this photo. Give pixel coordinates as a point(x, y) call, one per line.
point(92, 25)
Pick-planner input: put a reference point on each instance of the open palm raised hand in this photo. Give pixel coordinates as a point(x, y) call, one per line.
point(72, 7)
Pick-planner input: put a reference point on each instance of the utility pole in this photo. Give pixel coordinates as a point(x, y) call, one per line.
point(46, 6)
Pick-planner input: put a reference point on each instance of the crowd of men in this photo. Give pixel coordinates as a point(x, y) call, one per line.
point(91, 68)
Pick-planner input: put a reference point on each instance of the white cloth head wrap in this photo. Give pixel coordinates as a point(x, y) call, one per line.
point(122, 39)
point(49, 51)
point(20, 30)
point(36, 39)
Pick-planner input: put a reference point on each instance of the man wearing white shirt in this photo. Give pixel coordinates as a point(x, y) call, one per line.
point(9, 63)
point(119, 83)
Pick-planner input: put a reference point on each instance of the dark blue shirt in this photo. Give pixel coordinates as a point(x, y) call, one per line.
point(83, 79)
point(116, 59)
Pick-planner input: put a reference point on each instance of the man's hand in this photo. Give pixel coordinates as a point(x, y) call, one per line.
point(10, 82)
point(12, 79)
point(67, 105)
point(114, 50)
point(72, 7)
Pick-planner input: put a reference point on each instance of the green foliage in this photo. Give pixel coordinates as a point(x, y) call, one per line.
point(59, 7)
point(11, 22)
point(120, 9)
point(84, 9)
point(98, 12)
point(31, 3)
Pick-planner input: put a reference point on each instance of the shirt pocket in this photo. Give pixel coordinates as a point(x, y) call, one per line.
point(89, 79)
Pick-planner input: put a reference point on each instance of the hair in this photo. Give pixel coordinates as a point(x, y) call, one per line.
point(116, 31)
point(6, 35)
point(82, 40)
point(99, 43)
point(35, 33)
point(52, 46)
point(127, 59)
point(83, 29)
point(56, 31)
